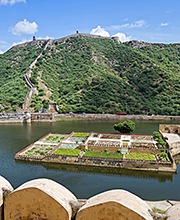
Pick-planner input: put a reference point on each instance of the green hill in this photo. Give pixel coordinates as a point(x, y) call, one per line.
point(86, 74)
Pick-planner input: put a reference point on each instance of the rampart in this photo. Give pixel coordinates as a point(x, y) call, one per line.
point(33, 90)
point(44, 199)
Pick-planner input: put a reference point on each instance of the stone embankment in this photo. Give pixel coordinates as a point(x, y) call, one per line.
point(103, 162)
point(14, 117)
point(42, 116)
point(117, 117)
point(125, 164)
point(45, 199)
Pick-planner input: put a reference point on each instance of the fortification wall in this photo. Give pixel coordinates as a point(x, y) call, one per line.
point(29, 43)
point(13, 121)
point(33, 89)
point(86, 35)
point(64, 39)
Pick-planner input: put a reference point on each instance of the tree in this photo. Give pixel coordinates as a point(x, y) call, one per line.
point(37, 107)
point(45, 103)
point(127, 126)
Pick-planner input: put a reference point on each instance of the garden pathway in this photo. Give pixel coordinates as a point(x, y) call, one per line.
point(45, 143)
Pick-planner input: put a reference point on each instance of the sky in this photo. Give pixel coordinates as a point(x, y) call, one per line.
point(155, 21)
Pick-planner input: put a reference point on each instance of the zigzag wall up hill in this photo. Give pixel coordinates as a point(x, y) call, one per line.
point(93, 74)
point(33, 89)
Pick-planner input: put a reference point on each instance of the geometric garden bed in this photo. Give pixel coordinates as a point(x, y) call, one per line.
point(97, 145)
point(145, 152)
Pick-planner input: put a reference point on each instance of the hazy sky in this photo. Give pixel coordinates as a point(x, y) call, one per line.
point(144, 20)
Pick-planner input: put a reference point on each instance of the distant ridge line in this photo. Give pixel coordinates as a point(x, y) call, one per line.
point(65, 38)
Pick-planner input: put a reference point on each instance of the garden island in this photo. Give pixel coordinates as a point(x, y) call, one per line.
point(130, 151)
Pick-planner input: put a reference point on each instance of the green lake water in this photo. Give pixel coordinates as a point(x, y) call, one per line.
point(84, 182)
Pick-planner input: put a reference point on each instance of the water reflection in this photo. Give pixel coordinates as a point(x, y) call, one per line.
point(160, 176)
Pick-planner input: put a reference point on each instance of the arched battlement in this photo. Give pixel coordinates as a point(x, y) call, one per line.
point(114, 204)
point(169, 128)
point(45, 199)
point(39, 199)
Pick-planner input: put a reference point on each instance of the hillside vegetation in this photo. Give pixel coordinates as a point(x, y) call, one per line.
point(84, 74)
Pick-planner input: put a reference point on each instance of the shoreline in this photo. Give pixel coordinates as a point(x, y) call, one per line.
point(89, 117)
point(62, 117)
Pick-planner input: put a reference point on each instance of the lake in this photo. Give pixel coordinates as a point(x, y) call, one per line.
point(84, 182)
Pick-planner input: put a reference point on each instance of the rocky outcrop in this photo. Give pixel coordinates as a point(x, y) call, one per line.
point(137, 44)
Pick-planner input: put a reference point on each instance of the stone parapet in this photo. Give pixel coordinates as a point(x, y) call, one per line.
point(114, 204)
point(5, 189)
point(45, 199)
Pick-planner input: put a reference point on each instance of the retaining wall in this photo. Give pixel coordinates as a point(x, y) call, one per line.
point(14, 121)
point(119, 117)
point(104, 162)
point(115, 163)
point(144, 150)
point(98, 148)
